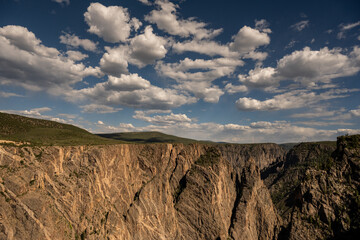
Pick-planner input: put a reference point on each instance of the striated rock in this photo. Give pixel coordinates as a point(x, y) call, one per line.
point(316, 190)
point(158, 191)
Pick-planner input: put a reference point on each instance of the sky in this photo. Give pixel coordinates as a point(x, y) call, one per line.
point(226, 71)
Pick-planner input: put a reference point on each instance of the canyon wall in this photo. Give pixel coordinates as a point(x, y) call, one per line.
point(130, 191)
point(177, 191)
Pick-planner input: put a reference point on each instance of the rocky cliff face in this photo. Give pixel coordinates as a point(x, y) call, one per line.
point(316, 190)
point(175, 191)
point(159, 191)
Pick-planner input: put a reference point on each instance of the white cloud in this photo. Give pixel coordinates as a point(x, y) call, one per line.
point(114, 61)
point(186, 69)
point(76, 55)
point(262, 25)
point(62, 1)
point(307, 67)
point(255, 132)
point(122, 127)
point(8, 94)
point(162, 119)
point(290, 100)
point(75, 41)
point(112, 23)
point(299, 26)
point(349, 26)
point(127, 83)
point(97, 108)
point(346, 27)
point(355, 112)
point(244, 44)
point(146, 48)
point(231, 89)
point(24, 61)
point(260, 77)
point(203, 89)
point(37, 113)
point(291, 44)
point(146, 2)
point(248, 39)
point(32, 112)
point(142, 50)
point(318, 113)
point(166, 19)
point(116, 92)
point(207, 47)
point(100, 122)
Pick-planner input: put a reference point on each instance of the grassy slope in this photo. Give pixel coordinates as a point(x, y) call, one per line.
point(43, 132)
point(148, 137)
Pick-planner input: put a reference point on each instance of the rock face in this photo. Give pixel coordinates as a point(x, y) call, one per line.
point(316, 190)
point(159, 191)
point(176, 191)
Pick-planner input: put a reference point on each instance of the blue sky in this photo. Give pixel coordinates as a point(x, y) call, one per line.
point(262, 71)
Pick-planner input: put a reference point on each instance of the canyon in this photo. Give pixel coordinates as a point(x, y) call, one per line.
point(180, 191)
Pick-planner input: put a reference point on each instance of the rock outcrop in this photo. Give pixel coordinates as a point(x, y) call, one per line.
point(159, 191)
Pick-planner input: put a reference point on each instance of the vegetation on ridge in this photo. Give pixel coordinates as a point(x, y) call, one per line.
point(44, 132)
point(148, 137)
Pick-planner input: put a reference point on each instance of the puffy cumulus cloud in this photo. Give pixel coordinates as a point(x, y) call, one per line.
point(260, 77)
point(207, 47)
point(132, 91)
point(76, 55)
point(98, 108)
point(24, 61)
point(146, 48)
point(127, 83)
point(195, 76)
point(231, 89)
point(290, 100)
point(21, 38)
point(112, 23)
point(244, 44)
point(203, 90)
point(142, 50)
point(166, 19)
point(162, 119)
point(248, 39)
point(307, 67)
point(299, 26)
point(114, 61)
point(75, 41)
point(186, 69)
point(146, 2)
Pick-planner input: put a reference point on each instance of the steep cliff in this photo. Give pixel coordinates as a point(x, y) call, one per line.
point(180, 191)
point(159, 191)
point(316, 190)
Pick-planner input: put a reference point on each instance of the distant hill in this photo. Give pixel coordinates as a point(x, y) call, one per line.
point(148, 137)
point(44, 132)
